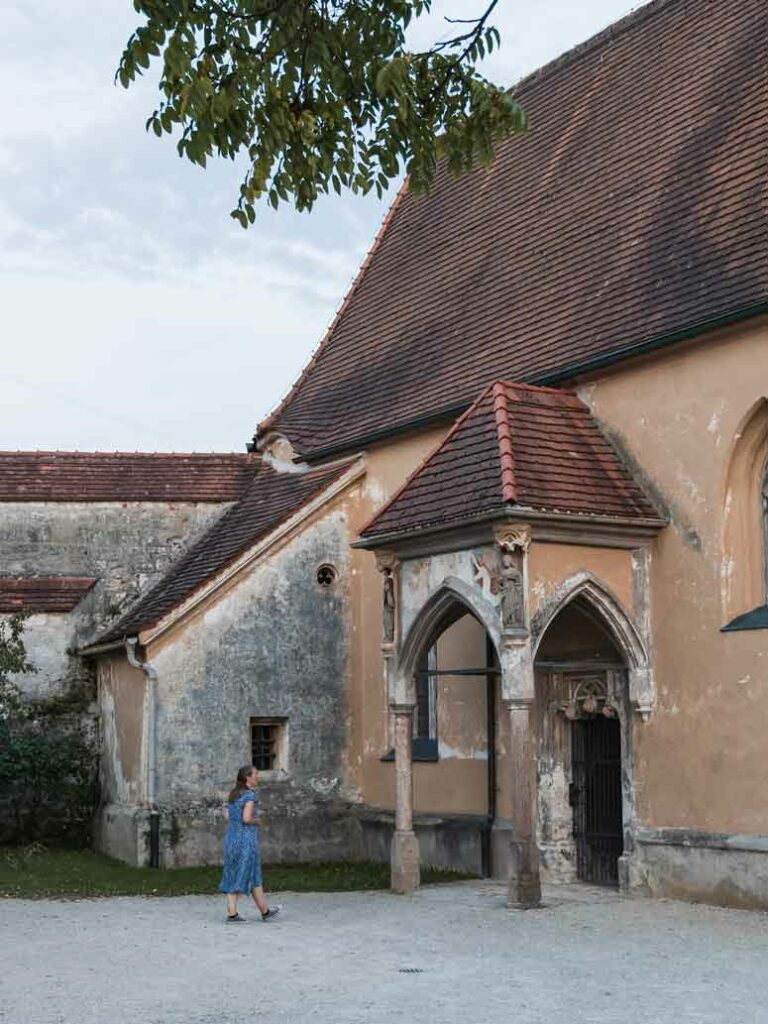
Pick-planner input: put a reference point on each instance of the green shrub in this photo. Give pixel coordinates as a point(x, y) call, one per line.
point(48, 756)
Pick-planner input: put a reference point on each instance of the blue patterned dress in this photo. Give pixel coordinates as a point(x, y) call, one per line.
point(242, 858)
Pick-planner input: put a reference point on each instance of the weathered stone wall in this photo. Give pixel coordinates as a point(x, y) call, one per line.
point(275, 644)
point(127, 546)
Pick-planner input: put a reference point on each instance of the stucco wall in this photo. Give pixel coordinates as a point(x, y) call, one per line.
point(701, 759)
point(274, 644)
point(127, 546)
point(121, 695)
point(387, 466)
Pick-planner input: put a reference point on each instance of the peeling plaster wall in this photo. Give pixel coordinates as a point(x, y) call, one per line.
point(121, 694)
point(701, 759)
point(273, 644)
point(121, 823)
point(47, 639)
point(126, 545)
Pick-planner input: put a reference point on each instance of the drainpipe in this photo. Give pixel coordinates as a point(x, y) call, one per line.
point(150, 732)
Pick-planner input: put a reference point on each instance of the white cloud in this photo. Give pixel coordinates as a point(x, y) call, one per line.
point(135, 313)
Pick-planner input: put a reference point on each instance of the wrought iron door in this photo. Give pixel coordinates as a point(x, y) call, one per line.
point(596, 799)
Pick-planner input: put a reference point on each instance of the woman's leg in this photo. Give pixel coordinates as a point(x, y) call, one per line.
point(232, 898)
point(258, 898)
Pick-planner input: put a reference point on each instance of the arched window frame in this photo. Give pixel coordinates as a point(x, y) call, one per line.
point(764, 519)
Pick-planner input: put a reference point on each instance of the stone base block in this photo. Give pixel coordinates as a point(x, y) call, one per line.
point(524, 890)
point(122, 831)
point(454, 843)
point(405, 862)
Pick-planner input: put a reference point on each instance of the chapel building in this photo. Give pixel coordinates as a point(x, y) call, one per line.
point(489, 592)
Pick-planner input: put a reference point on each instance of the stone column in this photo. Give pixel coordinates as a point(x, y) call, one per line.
point(524, 882)
point(518, 695)
point(405, 845)
point(404, 851)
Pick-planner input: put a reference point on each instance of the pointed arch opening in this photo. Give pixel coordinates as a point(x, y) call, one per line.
point(744, 548)
point(586, 651)
point(450, 672)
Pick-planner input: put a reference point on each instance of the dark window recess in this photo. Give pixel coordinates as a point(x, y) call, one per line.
point(425, 712)
point(264, 739)
point(756, 619)
point(421, 750)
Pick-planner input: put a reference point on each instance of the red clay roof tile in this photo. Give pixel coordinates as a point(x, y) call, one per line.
point(36, 594)
point(632, 210)
point(124, 476)
point(516, 447)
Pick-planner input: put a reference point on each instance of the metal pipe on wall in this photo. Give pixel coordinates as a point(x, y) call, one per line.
point(150, 732)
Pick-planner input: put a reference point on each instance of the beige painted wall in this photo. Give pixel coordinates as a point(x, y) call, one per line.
point(458, 781)
point(551, 565)
point(702, 759)
point(388, 465)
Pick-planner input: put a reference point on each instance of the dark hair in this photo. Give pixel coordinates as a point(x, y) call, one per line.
point(240, 786)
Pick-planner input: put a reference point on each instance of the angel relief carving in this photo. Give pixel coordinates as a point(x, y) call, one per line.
point(486, 574)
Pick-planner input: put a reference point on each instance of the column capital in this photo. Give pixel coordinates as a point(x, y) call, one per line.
point(387, 561)
point(513, 537)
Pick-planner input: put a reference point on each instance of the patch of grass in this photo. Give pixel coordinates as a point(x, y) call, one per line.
point(35, 872)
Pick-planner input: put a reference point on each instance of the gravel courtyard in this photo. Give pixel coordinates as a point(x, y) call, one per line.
point(451, 954)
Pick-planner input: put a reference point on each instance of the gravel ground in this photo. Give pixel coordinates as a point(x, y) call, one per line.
point(450, 954)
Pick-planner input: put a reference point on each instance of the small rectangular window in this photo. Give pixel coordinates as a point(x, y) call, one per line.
point(269, 748)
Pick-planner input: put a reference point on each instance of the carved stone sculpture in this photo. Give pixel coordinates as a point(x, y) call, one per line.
point(388, 612)
point(512, 593)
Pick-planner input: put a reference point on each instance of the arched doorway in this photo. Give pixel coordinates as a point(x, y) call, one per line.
point(583, 717)
point(455, 674)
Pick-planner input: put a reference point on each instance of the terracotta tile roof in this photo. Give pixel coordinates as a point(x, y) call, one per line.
point(35, 594)
point(124, 476)
point(633, 209)
point(517, 447)
point(271, 498)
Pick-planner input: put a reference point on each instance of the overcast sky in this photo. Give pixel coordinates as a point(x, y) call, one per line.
point(135, 313)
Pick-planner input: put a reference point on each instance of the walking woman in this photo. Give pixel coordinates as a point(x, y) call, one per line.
point(242, 858)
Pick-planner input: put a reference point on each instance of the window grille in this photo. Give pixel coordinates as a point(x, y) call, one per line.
point(268, 744)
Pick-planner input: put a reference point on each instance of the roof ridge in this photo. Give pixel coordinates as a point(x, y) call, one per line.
point(165, 455)
point(506, 451)
point(593, 42)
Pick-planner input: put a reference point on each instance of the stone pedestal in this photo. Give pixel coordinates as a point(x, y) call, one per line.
point(404, 862)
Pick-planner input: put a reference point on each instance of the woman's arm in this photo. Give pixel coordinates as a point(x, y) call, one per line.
point(248, 816)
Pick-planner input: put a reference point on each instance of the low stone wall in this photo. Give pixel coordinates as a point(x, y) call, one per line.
point(702, 867)
point(295, 830)
point(453, 842)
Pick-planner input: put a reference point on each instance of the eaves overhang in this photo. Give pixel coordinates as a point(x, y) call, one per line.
point(550, 527)
point(565, 374)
